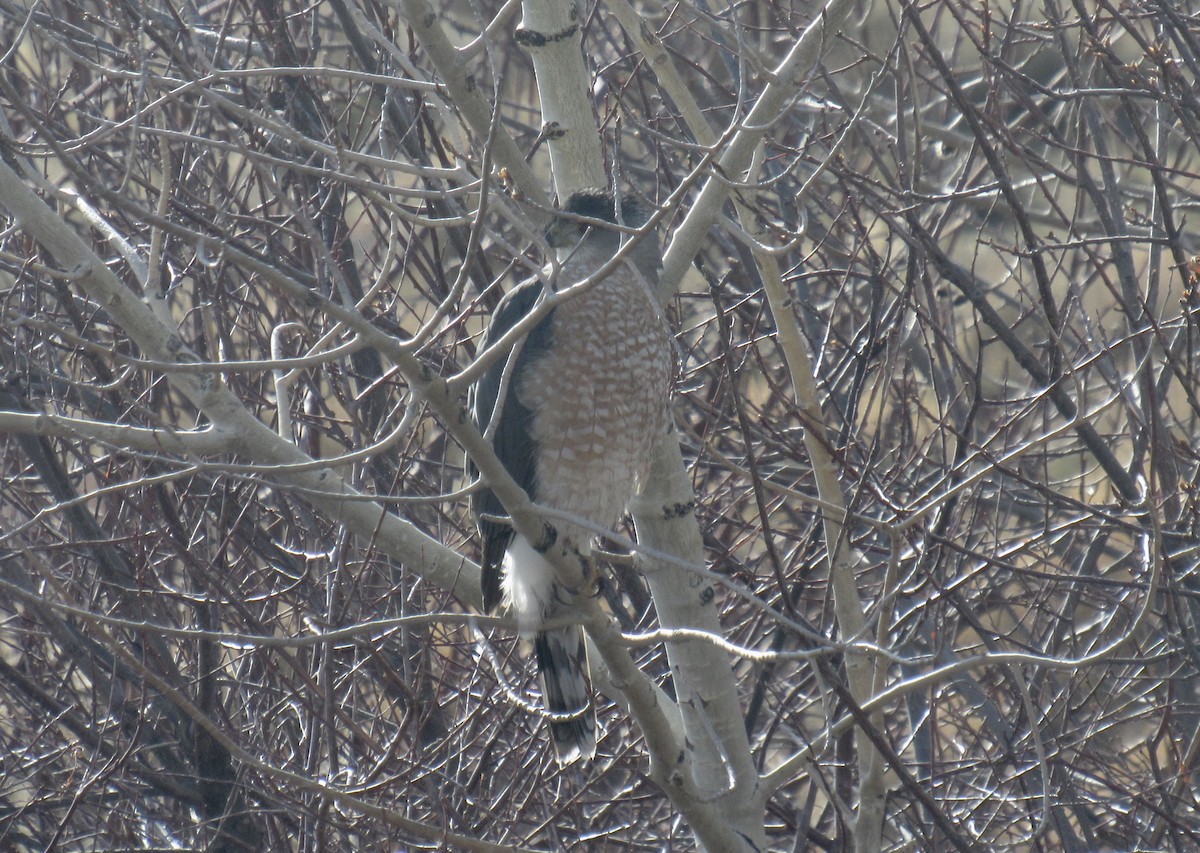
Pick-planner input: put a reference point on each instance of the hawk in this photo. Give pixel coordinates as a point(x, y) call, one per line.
point(584, 399)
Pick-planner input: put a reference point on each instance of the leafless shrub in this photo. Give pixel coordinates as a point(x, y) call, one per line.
point(986, 332)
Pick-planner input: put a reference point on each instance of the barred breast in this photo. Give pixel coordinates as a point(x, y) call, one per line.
point(600, 395)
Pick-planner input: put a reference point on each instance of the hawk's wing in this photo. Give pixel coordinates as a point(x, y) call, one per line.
point(512, 438)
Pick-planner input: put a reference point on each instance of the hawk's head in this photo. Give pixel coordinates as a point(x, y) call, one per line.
point(585, 213)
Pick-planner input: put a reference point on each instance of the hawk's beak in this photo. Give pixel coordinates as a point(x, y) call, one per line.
point(561, 234)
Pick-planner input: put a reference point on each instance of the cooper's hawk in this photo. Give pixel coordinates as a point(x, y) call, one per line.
point(585, 398)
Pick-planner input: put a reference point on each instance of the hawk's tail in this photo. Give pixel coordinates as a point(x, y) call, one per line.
point(562, 665)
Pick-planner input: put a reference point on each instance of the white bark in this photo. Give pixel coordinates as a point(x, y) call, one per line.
point(464, 94)
point(551, 33)
point(239, 431)
point(722, 766)
point(736, 159)
point(786, 80)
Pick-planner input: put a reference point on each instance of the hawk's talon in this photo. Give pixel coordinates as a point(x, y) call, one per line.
point(547, 540)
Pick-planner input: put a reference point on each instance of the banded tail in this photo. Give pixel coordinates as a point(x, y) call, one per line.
point(562, 668)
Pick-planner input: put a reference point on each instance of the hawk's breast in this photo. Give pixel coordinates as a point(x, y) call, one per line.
point(599, 397)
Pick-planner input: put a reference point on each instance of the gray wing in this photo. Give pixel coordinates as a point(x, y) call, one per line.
point(513, 439)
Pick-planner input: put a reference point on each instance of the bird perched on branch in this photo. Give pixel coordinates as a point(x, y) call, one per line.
point(573, 413)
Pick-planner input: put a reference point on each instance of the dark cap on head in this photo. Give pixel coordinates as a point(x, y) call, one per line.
point(596, 203)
